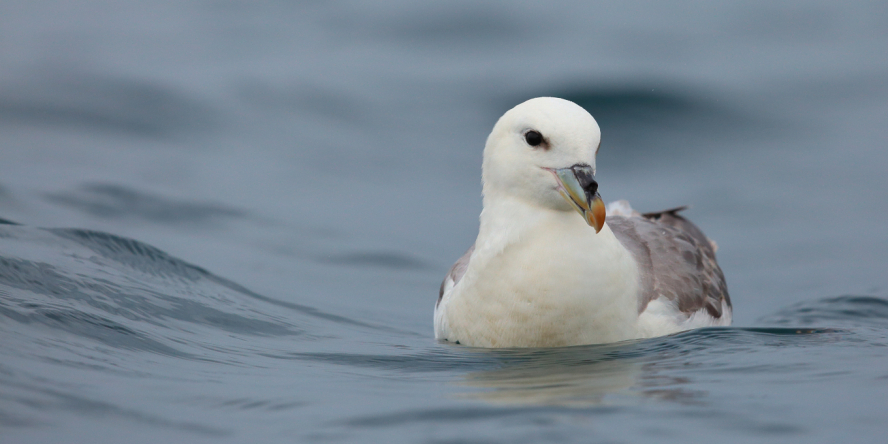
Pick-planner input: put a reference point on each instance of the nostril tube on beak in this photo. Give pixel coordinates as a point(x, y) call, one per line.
point(586, 178)
point(577, 186)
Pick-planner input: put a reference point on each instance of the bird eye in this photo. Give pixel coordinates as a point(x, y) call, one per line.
point(533, 138)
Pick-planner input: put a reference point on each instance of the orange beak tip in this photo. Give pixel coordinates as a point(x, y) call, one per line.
point(599, 213)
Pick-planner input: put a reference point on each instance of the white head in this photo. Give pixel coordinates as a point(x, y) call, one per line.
point(543, 153)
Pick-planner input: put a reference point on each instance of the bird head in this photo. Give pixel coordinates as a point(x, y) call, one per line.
point(543, 152)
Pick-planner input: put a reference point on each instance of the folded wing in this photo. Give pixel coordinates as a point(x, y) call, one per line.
point(676, 261)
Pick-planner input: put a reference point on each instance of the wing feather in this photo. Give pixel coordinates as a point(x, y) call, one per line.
point(456, 273)
point(676, 260)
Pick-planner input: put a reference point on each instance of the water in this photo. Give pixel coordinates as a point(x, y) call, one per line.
point(235, 217)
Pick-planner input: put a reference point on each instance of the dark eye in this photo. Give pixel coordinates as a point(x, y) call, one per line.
point(533, 138)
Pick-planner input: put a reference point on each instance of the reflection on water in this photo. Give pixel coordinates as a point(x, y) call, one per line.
point(549, 380)
point(586, 376)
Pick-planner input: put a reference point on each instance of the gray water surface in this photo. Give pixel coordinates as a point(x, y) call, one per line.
point(233, 218)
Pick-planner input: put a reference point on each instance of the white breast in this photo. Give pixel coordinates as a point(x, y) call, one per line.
point(549, 281)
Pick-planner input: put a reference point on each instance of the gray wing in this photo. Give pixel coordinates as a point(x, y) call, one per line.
point(676, 260)
point(456, 272)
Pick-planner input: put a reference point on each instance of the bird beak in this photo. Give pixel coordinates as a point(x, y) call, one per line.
point(577, 185)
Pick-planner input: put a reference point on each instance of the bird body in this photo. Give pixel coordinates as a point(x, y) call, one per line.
point(540, 276)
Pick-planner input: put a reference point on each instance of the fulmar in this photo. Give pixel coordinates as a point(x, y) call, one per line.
point(539, 275)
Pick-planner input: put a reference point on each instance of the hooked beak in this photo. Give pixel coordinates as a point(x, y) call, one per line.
point(577, 185)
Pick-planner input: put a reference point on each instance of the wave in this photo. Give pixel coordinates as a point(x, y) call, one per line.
point(847, 311)
point(122, 293)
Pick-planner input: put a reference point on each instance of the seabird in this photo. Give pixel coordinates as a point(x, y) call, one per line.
point(539, 275)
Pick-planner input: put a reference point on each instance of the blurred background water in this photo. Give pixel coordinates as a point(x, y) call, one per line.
point(235, 217)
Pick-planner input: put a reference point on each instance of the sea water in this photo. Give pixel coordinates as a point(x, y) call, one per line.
point(228, 221)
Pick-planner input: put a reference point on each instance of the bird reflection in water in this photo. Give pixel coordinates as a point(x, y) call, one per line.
point(581, 376)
